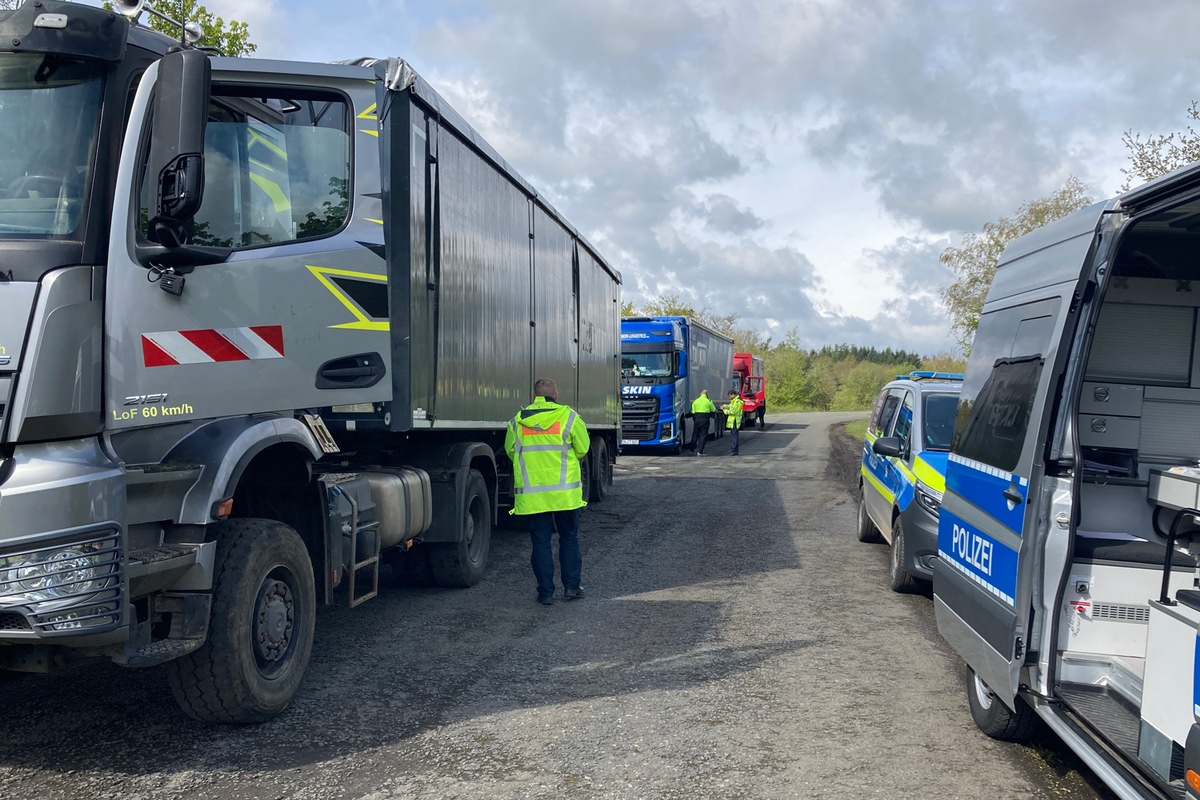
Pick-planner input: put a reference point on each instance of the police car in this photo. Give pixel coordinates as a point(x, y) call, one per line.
point(904, 471)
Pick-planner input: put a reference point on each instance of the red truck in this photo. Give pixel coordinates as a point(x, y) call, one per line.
point(753, 386)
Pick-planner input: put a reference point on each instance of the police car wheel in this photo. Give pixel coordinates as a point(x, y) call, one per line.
point(867, 532)
point(993, 717)
point(898, 575)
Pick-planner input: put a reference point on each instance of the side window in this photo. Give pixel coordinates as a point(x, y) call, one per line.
point(887, 413)
point(877, 412)
point(995, 408)
point(904, 421)
point(276, 168)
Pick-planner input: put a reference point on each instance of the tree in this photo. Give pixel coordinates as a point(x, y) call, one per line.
point(627, 309)
point(974, 263)
point(1158, 155)
point(232, 38)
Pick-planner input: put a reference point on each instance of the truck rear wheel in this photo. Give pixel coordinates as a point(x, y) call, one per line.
point(602, 473)
point(993, 717)
point(463, 563)
point(261, 632)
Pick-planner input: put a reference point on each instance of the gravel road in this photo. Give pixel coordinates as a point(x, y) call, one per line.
point(736, 642)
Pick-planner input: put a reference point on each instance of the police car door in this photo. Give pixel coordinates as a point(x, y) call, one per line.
point(989, 515)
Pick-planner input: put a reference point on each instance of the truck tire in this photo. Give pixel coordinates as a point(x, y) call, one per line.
point(602, 473)
point(867, 532)
point(463, 563)
point(993, 717)
point(899, 578)
point(261, 632)
point(681, 430)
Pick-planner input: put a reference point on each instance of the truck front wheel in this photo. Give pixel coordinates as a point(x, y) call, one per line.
point(261, 632)
point(463, 563)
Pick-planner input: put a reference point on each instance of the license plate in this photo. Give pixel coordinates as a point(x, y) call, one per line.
point(628, 441)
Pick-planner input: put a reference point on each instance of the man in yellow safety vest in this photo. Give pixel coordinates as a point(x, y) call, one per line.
point(702, 411)
point(545, 442)
point(733, 419)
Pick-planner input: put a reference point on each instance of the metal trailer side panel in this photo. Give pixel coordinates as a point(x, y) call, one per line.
point(710, 362)
point(493, 303)
point(599, 343)
point(555, 310)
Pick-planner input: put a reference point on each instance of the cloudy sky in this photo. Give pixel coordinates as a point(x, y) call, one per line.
point(799, 163)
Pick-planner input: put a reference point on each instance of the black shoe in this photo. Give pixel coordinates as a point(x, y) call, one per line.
point(546, 600)
point(572, 594)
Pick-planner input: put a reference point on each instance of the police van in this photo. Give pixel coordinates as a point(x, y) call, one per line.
point(903, 471)
point(1069, 529)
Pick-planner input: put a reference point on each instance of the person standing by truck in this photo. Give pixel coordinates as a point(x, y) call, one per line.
point(733, 419)
point(545, 441)
point(702, 410)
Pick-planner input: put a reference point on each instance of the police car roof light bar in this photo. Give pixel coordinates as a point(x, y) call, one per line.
point(925, 375)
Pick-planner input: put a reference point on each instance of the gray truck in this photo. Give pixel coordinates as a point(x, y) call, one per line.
point(262, 327)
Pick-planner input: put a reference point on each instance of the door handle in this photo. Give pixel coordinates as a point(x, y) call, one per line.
point(351, 372)
point(1013, 496)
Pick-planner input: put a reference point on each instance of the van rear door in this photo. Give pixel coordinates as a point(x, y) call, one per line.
point(988, 529)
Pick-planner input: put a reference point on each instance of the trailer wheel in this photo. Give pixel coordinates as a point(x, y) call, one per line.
point(261, 632)
point(602, 474)
point(463, 563)
point(899, 578)
point(993, 717)
point(867, 532)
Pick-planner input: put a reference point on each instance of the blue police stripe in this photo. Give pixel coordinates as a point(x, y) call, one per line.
point(983, 487)
point(987, 562)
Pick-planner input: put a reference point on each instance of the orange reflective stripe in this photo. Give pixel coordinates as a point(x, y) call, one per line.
point(556, 428)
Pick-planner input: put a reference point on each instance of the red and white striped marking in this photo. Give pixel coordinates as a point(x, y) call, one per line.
point(208, 346)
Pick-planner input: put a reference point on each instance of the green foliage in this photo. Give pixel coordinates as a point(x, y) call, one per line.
point(974, 263)
point(1160, 154)
point(627, 309)
point(862, 384)
point(232, 38)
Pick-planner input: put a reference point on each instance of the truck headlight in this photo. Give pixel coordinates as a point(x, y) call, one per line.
point(929, 498)
point(56, 573)
point(668, 430)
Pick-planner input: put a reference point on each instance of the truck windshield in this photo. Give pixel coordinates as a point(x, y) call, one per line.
point(49, 116)
point(646, 365)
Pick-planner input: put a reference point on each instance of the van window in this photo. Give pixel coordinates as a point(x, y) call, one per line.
point(904, 421)
point(994, 432)
point(885, 410)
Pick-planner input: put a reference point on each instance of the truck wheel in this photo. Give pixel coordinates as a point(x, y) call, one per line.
point(680, 430)
point(602, 474)
point(261, 632)
point(899, 577)
point(867, 532)
point(993, 717)
point(464, 562)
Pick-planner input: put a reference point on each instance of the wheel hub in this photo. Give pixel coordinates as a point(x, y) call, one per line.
point(273, 620)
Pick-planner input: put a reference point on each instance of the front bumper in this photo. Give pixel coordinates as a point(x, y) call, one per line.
point(920, 540)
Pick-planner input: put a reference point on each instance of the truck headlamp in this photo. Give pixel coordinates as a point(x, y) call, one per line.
point(54, 574)
point(668, 431)
point(929, 498)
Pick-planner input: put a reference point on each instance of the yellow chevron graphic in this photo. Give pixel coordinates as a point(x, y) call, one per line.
point(362, 321)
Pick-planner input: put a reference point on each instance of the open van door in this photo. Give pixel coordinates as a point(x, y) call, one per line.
point(989, 528)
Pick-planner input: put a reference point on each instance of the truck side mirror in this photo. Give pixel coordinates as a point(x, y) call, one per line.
point(176, 164)
point(680, 364)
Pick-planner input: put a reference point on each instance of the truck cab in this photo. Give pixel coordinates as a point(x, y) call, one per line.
point(1069, 530)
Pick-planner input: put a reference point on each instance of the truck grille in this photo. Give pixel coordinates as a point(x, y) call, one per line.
point(639, 418)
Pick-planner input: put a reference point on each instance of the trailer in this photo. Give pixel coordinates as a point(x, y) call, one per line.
point(262, 327)
point(665, 363)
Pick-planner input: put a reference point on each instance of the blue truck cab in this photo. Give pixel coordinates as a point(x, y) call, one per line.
point(665, 363)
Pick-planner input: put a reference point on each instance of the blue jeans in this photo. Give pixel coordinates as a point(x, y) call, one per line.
point(733, 444)
point(570, 560)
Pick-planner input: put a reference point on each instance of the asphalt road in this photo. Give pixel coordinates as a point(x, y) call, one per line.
point(736, 642)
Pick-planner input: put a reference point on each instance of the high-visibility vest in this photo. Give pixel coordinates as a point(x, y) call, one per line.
point(545, 442)
point(733, 413)
point(703, 405)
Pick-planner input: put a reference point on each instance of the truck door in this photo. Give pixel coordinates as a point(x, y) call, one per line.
point(989, 525)
point(295, 315)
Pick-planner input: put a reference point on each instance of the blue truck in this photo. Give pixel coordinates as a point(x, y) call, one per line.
point(665, 363)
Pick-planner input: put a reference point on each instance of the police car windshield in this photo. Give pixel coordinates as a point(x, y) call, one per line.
point(940, 410)
point(646, 365)
point(49, 116)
